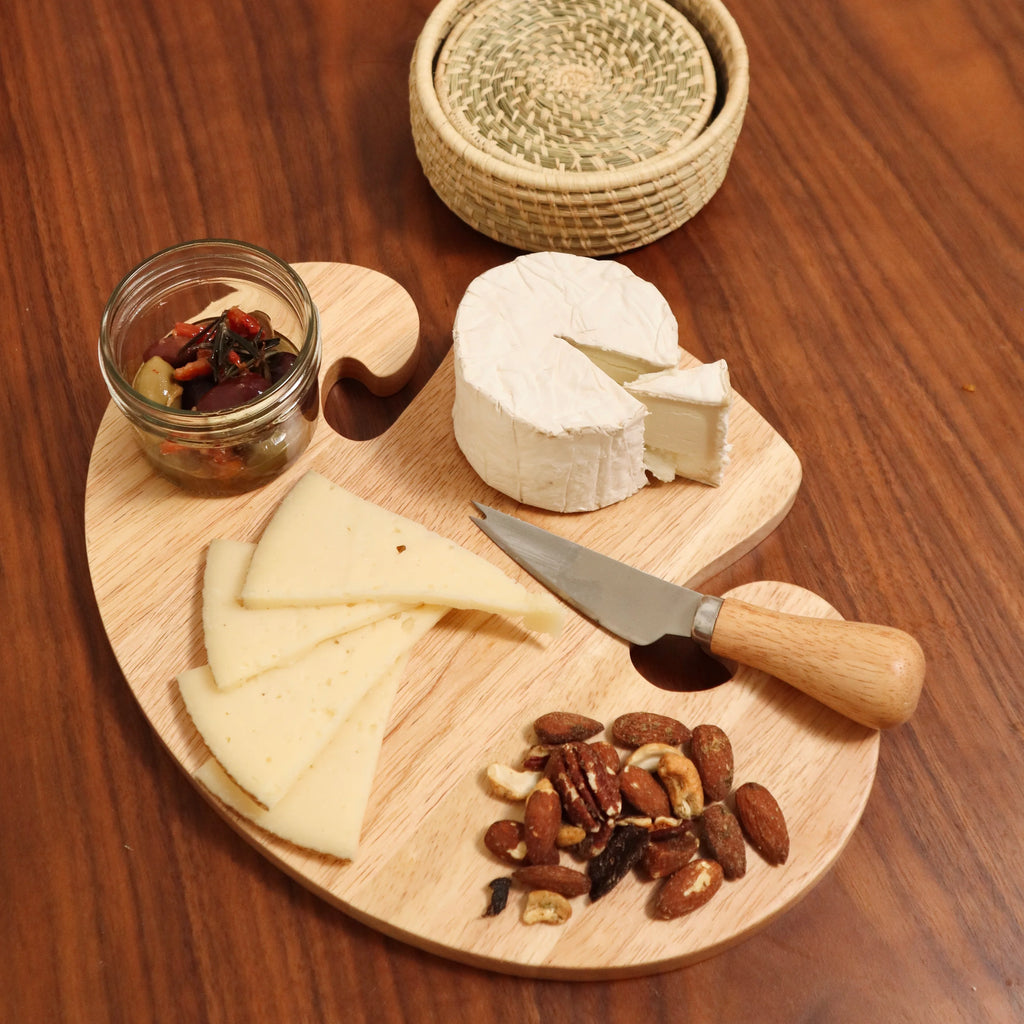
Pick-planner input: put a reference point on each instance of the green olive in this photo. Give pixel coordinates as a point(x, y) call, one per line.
point(156, 382)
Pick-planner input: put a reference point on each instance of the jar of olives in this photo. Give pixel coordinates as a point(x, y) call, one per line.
point(211, 349)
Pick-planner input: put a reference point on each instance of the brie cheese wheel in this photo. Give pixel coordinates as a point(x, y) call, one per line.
point(325, 807)
point(688, 421)
point(266, 733)
point(324, 545)
point(541, 346)
point(242, 642)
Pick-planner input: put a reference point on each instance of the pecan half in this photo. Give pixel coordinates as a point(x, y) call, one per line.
point(588, 787)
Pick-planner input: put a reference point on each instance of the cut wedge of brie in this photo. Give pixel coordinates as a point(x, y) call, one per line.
point(688, 421)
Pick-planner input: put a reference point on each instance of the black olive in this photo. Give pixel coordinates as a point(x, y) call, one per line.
point(234, 391)
point(280, 364)
point(169, 348)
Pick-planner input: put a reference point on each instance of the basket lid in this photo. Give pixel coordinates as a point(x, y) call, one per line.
point(575, 85)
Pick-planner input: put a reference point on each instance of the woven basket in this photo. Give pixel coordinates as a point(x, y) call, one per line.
point(525, 134)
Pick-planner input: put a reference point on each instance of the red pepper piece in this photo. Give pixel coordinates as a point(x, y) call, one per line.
point(169, 447)
point(186, 331)
point(201, 367)
point(242, 323)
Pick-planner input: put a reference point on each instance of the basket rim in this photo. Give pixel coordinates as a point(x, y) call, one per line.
point(427, 49)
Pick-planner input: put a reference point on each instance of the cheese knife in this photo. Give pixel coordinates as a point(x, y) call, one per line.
point(870, 673)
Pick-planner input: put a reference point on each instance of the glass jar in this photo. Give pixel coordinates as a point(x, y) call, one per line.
point(230, 450)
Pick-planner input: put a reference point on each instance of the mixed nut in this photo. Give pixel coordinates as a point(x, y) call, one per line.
point(661, 809)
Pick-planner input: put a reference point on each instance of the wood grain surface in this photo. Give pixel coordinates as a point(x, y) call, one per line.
point(862, 271)
point(476, 683)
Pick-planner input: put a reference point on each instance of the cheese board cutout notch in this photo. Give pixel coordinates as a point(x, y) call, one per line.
point(677, 664)
point(421, 868)
point(382, 349)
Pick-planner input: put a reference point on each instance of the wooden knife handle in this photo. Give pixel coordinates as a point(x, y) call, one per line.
point(872, 674)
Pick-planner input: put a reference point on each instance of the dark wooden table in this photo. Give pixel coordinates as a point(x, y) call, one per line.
point(862, 270)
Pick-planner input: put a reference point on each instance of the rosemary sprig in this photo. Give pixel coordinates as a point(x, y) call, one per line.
point(230, 353)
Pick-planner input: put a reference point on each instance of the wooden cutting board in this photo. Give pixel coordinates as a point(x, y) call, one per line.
point(476, 683)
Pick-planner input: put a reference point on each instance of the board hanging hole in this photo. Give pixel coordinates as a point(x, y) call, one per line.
point(678, 664)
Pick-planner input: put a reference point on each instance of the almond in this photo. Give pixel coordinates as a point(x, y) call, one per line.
point(565, 727)
point(644, 791)
point(724, 840)
point(566, 881)
point(763, 822)
point(687, 889)
point(506, 839)
point(638, 728)
point(542, 819)
point(711, 752)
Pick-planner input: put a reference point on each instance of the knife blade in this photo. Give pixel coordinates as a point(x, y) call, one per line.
point(870, 673)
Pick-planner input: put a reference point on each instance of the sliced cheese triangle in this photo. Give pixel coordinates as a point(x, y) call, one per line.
point(242, 642)
point(324, 545)
point(266, 734)
point(324, 810)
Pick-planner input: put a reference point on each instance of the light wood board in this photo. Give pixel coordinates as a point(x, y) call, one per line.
point(476, 682)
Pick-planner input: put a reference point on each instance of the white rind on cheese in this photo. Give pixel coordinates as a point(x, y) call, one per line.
point(540, 346)
point(243, 642)
point(324, 545)
point(687, 427)
point(266, 733)
point(325, 807)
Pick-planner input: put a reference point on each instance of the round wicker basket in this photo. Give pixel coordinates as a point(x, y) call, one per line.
point(584, 126)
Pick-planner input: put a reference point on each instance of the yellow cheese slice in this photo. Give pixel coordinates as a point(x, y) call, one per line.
point(242, 642)
point(324, 545)
point(267, 732)
point(324, 810)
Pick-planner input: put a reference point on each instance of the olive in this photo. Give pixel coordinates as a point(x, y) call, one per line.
point(155, 382)
point(193, 391)
point(232, 392)
point(280, 364)
point(168, 348)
